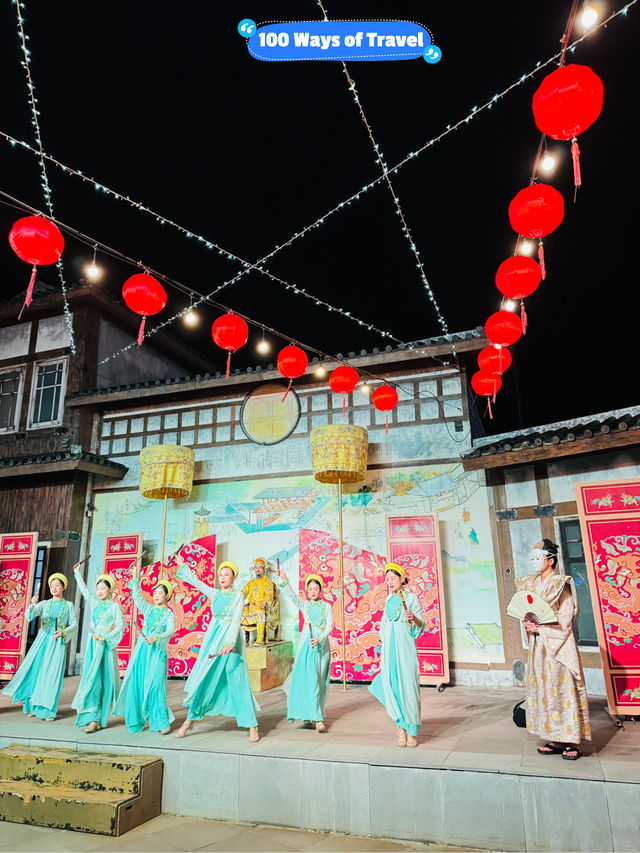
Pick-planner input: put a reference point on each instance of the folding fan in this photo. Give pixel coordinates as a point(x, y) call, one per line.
point(526, 603)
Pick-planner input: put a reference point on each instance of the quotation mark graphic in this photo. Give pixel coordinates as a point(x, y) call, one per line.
point(247, 27)
point(432, 54)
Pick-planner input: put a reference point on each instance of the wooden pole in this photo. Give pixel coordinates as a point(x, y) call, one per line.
point(164, 532)
point(344, 632)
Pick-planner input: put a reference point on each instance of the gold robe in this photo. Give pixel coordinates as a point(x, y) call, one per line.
point(557, 707)
point(261, 609)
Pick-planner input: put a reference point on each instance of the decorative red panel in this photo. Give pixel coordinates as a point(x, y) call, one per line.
point(17, 562)
point(413, 542)
point(610, 522)
point(119, 553)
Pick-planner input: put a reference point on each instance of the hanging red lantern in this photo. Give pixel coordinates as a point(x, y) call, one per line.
point(566, 103)
point(493, 359)
point(230, 332)
point(503, 328)
point(486, 385)
point(36, 241)
point(536, 211)
point(385, 398)
point(292, 363)
point(144, 295)
point(343, 380)
point(516, 278)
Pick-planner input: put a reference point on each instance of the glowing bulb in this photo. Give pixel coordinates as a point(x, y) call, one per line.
point(263, 347)
point(510, 305)
point(320, 371)
point(364, 388)
point(93, 271)
point(191, 318)
point(589, 16)
point(497, 346)
point(548, 163)
point(526, 247)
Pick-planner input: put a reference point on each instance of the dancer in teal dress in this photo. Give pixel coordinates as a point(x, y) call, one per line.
point(143, 695)
point(397, 685)
point(100, 680)
point(38, 681)
point(308, 683)
point(219, 680)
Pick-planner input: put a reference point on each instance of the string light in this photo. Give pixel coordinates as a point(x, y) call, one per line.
point(510, 305)
point(191, 318)
point(526, 247)
point(589, 16)
point(320, 371)
point(92, 271)
point(44, 179)
point(263, 347)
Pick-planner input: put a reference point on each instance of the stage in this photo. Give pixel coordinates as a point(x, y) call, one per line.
point(475, 779)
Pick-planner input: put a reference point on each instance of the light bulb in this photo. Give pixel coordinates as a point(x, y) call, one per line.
point(526, 247)
point(589, 16)
point(320, 371)
point(93, 271)
point(497, 346)
point(510, 305)
point(263, 346)
point(548, 163)
point(191, 318)
point(364, 388)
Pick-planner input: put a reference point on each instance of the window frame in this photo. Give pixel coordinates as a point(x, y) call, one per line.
point(560, 528)
point(64, 360)
point(21, 368)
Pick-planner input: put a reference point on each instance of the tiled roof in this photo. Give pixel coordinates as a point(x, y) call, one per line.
point(575, 430)
point(60, 456)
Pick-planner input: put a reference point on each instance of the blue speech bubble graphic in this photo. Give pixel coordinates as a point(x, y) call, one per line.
point(432, 54)
point(247, 27)
point(340, 40)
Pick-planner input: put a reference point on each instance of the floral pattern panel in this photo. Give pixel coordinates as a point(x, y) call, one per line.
point(17, 561)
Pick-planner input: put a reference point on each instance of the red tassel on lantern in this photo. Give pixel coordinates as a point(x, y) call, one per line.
point(292, 363)
point(541, 260)
point(342, 381)
point(516, 278)
point(385, 398)
point(35, 241)
point(230, 332)
point(144, 295)
point(575, 156)
point(485, 385)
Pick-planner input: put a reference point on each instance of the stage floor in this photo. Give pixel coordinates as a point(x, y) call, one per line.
point(357, 767)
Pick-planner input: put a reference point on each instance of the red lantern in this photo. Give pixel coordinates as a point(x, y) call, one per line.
point(535, 211)
point(342, 381)
point(566, 103)
point(494, 359)
point(230, 332)
point(385, 398)
point(486, 385)
point(35, 241)
point(516, 278)
point(292, 363)
point(144, 295)
point(503, 328)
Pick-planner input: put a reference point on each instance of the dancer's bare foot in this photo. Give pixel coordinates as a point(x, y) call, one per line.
point(412, 741)
point(402, 737)
point(183, 731)
point(49, 719)
point(254, 737)
point(320, 727)
point(94, 726)
point(164, 731)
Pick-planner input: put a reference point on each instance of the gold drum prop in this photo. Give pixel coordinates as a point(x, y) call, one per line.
point(339, 453)
point(166, 471)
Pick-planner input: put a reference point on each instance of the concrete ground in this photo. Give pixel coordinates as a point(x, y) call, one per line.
point(170, 833)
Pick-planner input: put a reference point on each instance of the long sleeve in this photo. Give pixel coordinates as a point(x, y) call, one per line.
point(234, 628)
point(559, 639)
point(72, 623)
point(413, 604)
point(169, 627)
point(140, 601)
point(287, 589)
point(34, 610)
point(188, 575)
point(113, 637)
point(328, 610)
point(88, 597)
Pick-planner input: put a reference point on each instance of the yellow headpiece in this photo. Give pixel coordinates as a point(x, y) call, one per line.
point(394, 567)
point(167, 585)
point(229, 564)
point(56, 576)
point(108, 579)
point(315, 578)
point(260, 561)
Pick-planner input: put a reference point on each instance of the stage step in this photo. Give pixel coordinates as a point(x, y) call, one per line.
point(96, 792)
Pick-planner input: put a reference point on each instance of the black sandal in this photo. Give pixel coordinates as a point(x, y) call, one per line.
point(550, 749)
point(571, 757)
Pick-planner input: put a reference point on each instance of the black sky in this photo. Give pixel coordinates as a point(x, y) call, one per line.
point(163, 102)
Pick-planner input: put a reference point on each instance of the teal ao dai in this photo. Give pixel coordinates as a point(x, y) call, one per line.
point(309, 681)
point(397, 685)
point(143, 695)
point(220, 684)
point(100, 680)
point(38, 681)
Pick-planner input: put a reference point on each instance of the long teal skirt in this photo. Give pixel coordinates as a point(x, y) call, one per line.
point(99, 694)
point(377, 689)
point(309, 683)
point(224, 689)
point(143, 695)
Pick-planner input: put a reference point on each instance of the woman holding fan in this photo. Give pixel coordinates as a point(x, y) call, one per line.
point(557, 706)
point(309, 680)
point(397, 685)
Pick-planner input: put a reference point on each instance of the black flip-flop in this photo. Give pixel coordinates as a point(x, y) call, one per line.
point(550, 749)
point(571, 757)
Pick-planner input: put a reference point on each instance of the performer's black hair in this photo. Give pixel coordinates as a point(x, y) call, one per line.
point(404, 580)
point(552, 548)
point(313, 580)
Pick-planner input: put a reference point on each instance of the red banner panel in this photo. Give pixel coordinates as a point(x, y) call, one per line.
point(610, 523)
point(119, 553)
point(17, 562)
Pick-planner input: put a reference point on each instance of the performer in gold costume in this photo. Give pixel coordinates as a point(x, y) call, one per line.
point(261, 610)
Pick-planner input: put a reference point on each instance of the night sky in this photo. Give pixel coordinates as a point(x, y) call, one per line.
point(163, 102)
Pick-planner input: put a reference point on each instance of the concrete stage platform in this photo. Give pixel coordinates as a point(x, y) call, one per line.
point(475, 780)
